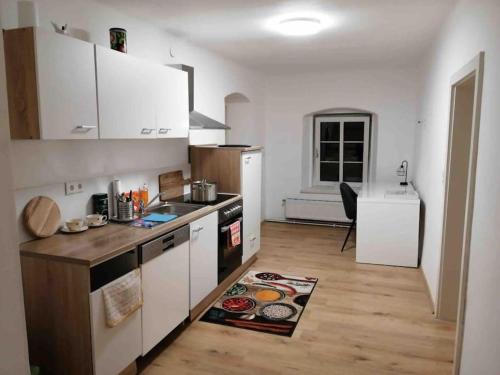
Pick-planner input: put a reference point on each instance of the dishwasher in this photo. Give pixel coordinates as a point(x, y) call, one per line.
point(165, 285)
point(115, 348)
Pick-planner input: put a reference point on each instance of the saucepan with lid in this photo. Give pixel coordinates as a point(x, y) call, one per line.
point(203, 191)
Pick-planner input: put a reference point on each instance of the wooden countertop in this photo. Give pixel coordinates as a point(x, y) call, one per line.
point(241, 149)
point(97, 245)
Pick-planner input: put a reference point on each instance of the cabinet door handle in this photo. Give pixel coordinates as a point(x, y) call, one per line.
point(164, 130)
point(146, 131)
point(253, 238)
point(199, 229)
point(247, 159)
point(86, 127)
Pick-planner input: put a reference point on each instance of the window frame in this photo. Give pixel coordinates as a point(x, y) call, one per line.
point(341, 118)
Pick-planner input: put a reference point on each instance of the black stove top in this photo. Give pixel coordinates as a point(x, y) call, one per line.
point(187, 199)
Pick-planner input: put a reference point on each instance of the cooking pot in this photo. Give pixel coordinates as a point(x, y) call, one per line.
point(203, 191)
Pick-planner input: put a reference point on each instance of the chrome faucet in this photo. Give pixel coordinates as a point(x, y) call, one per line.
point(143, 207)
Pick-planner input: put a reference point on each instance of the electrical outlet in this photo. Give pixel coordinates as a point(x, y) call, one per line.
point(73, 187)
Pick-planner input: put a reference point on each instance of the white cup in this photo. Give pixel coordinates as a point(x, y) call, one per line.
point(96, 219)
point(74, 224)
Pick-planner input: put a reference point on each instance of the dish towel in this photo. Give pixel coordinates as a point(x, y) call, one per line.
point(234, 230)
point(122, 297)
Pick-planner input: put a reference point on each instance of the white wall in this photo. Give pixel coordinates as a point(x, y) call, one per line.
point(43, 166)
point(389, 93)
point(474, 26)
point(13, 345)
point(246, 120)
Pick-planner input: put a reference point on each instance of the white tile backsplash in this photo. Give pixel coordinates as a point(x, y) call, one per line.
point(79, 205)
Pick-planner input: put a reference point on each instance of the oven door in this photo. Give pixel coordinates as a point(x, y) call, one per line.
point(229, 256)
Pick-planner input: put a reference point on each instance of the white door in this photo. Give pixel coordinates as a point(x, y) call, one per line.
point(251, 167)
point(125, 88)
point(165, 288)
point(203, 254)
point(66, 87)
point(172, 101)
point(113, 348)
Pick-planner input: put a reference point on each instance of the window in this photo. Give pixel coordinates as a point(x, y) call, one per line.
point(341, 146)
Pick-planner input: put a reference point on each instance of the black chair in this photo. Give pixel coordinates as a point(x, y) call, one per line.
point(349, 199)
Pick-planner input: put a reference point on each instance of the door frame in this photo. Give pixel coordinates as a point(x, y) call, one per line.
point(475, 68)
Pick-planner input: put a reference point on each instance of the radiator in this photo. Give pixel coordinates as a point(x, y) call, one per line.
point(315, 209)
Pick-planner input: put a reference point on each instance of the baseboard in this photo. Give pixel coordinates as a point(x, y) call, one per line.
point(432, 305)
point(332, 224)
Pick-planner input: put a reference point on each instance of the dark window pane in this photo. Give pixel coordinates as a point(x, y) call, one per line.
point(354, 131)
point(329, 152)
point(353, 151)
point(353, 172)
point(330, 131)
point(329, 171)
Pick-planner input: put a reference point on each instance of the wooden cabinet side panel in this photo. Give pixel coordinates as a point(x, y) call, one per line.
point(20, 66)
point(219, 166)
point(56, 298)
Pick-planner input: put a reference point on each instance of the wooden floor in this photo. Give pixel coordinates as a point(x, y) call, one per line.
point(361, 319)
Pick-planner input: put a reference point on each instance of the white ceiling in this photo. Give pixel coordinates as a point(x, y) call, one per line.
point(360, 32)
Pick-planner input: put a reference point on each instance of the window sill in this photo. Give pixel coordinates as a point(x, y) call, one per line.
point(334, 190)
point(328, 190)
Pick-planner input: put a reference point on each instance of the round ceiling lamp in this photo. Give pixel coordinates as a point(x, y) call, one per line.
point(299, 26)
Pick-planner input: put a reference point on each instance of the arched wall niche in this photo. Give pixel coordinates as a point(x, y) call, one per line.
point(242, 118)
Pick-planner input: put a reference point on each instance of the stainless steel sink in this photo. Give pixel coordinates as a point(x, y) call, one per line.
point(179, 209)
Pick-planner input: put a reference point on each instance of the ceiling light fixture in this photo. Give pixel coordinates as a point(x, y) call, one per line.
point(299, 26)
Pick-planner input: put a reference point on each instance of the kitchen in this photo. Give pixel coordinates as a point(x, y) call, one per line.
point(201, 225)
point(166, 264)
point(172, 190)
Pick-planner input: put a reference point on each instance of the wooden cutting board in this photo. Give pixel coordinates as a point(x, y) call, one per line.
point(172, 184)
point(42, 217)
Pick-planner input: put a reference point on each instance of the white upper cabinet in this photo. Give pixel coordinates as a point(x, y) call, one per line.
point(139, 99)
point(251, 190)
point(51, 85)
point(172, 100)
point(66, 87)
point(125, 91)
point(70, 89)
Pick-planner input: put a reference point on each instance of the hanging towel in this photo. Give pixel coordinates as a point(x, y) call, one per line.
point(122, 297)
point(234, 230)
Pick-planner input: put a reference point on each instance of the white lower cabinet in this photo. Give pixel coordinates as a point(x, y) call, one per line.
point(203, 253)
point(165, 287)
point(113, 348)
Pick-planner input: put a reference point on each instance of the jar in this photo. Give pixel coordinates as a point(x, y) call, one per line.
point(118, 39)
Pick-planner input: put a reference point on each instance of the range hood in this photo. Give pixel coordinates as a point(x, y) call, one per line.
point(197, 120)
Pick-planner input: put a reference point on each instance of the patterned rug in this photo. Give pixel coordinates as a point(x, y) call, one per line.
point(263, 301)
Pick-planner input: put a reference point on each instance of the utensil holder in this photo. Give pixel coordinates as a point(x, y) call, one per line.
point(125, 210)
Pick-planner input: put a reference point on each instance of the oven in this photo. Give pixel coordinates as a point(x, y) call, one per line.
point(229, 257)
